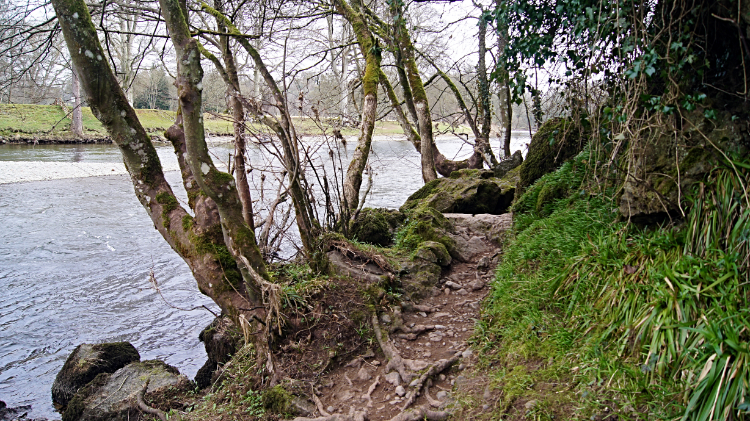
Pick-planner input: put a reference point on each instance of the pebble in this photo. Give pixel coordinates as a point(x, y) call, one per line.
point(375, 363)
point(464, 329)
point(530, 404)
point(452, 285)
point(447, 291)
point(485, 407)
point(442, 394)
point(466, 354)
point(442, 377)
point(400, 390)
point(393, 378)
point(423, 314)
point(462, 292)
point(331, 409)
point(364, 374)
point(461, 366)
point(427, 354)
point(385, 318)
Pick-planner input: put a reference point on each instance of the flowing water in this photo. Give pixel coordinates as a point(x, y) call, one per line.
point(76, 253)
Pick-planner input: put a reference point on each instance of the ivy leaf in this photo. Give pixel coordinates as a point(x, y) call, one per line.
point(650, 70)
point(710, 114)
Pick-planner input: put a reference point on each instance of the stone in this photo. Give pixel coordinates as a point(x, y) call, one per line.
point(441, 377)
point(462, 292)
point(442, 395)
point(221, 340)
point(376, 226)
point(112, 397)
point(530, 404)
point(453, 285)
point(346, 396)
point(476, 285)
point(484, 264)
point(385, 318)
point(85, 363)
point(506, 165)
point(465, 191)
point(400, 390)
point(331, 409)
point(546, 155)
point(467, 353)
point(393, 378)
point(364, 374)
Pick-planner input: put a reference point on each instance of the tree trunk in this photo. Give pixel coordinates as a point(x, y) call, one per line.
point(421, 106)
point(371, 51)
point(76, 122)
point(198, 240)
point(482, 141)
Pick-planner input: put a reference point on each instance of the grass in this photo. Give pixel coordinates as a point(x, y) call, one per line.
point(640, 322)
point(51, 121)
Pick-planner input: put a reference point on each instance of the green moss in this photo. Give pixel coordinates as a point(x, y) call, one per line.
point(169, 203)
point(554, 143)
point(425, 224)
point(187, 222)
point(466, 191)
point(212, 242)
point(277, 400)
point(434, 252)
point(375, 226)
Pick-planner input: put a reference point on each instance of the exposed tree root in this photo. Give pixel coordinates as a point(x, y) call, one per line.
point(148, 409)
point(368, 395)
point(420, 414)
point(434, 370)
point(403, 366)
point(351, 416)
point(319, 404)
point(433, 402)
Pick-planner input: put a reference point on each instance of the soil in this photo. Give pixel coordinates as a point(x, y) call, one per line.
point(363, 382)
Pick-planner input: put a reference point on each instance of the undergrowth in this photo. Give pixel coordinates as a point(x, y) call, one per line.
point(644, 323)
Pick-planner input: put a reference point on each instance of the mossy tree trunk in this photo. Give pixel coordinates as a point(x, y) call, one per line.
point(419, 95)
point(482, 137)
point(76, 120)
point(371, 51)
point(198, 240)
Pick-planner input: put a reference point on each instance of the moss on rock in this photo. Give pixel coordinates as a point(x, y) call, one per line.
point(554, 143)
point(465, 191)
point(376, 226)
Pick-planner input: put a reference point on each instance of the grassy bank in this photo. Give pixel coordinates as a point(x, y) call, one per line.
point(590, 318)
point(24, 121)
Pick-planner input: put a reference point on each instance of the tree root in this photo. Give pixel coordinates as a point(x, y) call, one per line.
point(419, 383)
point(433, 402)
point(395, 361)
point(351, 416)
point(421, 413)
point(368, 395)
point(148, 409)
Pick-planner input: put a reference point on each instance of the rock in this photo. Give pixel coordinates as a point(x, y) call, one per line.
point(385, 318)
point(465, 191)
point(376, 226)
point(484, 264)
point(434, 252)
point(221, 340)
point(466, 354)
point(393, 378)
point(441, 377)
point(442, 395)
point(15, 414)
point(468, 249)
point(476, 285)
point(400, 390)
point(85, 363)
point(364, 374)
point(346, 396)
point(331, 409)
point(506, 165)
point(453, 285)
point(462, 292)
point(556, 141)
point(530, 404)
point(112, 397)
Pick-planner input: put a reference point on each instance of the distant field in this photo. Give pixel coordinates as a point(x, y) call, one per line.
point(52, 122)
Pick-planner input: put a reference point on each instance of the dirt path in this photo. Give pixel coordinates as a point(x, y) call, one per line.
point(428, 343)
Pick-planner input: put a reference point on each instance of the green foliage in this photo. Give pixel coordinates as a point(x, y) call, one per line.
point(277, 400)
point(661, 314)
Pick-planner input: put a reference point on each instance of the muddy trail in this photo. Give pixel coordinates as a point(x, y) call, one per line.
point(421, 347)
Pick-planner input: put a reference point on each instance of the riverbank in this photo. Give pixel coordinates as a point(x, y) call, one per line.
point(50, 124)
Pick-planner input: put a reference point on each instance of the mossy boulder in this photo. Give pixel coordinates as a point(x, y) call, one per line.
point(651, 193)
point(85, 363)
point(113, 397)
point(376, 226)
point(507, 165)
point(555, 142)
point(465, 191)
point(221, 340)
point(426, 224)
point(433, 252)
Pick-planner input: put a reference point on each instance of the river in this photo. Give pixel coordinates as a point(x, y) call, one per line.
point(77, 248)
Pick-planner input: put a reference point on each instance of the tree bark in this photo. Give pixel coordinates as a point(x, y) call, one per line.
point(76, 122)
point(421, 106)
point(194, 239)
point(370, 80)
point(482, 140)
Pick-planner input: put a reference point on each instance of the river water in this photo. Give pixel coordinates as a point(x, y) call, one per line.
point(76, 249)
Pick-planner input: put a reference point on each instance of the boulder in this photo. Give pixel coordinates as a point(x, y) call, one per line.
point(434, 252)
point(465, 191)
point(376, 226)
point(555, 142)
point(86, 362)
point(113, 397)
point(221, 340)
point(506, 165)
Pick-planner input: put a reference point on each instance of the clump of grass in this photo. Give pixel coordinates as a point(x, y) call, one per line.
point(654, 320)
